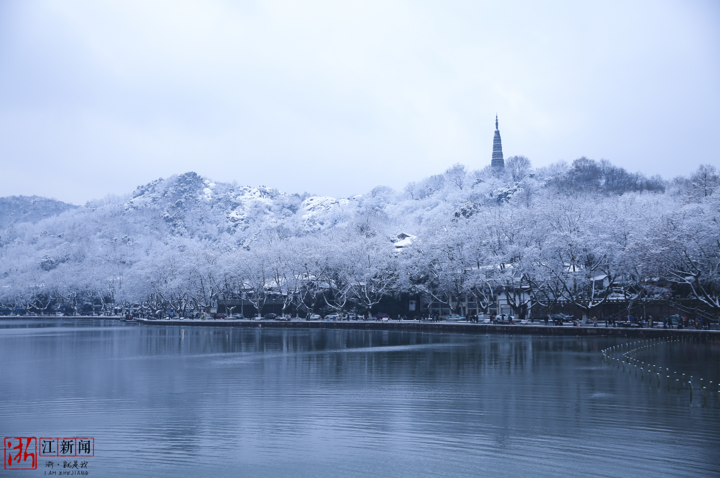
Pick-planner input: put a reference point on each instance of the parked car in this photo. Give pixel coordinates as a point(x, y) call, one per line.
point(221, 316)
point(455, 318)
point(283, 317)
point(673, 322)
point(237, 316)
point(313, 317)
point(270, 316)
point(331, 317)
point(559, 319)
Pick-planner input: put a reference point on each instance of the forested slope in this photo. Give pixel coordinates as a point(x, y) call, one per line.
point(576, 233)
point(17, 209)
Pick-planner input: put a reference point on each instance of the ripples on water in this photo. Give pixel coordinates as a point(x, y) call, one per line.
point(190, 401)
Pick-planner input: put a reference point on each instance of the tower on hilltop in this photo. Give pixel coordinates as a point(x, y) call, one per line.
point(497, 157)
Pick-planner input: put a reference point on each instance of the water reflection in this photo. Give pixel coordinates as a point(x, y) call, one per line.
point(223, 401)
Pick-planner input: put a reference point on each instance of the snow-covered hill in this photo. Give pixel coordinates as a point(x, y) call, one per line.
point(190, 238)
point(191, 206)
point(17, 209)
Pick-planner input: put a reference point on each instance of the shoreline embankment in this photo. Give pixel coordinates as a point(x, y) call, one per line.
point(539, 329)
point(456, 328)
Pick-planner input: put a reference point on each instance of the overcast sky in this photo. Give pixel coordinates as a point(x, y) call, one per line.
point(336, 97)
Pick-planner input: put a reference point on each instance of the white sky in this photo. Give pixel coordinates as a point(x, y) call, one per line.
point(336, 97)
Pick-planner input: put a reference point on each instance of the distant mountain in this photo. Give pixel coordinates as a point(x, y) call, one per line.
point(17, 209)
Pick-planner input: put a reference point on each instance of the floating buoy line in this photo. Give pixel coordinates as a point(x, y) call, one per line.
point(622, 358)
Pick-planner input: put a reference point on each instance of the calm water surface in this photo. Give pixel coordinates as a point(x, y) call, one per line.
point(194, 401)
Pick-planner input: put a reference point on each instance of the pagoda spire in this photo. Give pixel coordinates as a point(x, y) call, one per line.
point(497, 155)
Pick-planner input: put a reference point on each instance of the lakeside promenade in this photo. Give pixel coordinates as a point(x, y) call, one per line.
point(454, 327)
point(698, 335)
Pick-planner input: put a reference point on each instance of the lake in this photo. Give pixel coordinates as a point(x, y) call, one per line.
point(266, 402)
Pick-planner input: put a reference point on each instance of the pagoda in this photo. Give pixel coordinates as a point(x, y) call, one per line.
point(497, 157)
